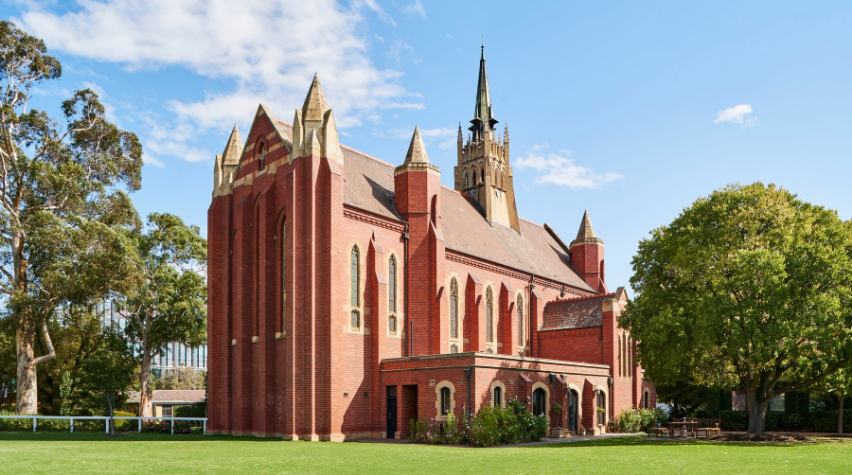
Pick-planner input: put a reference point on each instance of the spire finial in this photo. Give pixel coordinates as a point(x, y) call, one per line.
point(315, 106)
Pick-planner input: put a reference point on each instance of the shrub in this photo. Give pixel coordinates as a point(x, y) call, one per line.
point(491, 426)
point(198, 410)
point(639, 420)
point(734, 420)
point(827, 422)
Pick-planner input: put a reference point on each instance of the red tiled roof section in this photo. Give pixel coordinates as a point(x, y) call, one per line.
point(583, 312)
point(369, 186)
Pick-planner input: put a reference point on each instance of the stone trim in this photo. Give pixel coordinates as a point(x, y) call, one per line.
point(438, 387)
point(497, 384)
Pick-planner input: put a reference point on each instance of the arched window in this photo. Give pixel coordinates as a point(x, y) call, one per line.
point(355, 275)
point(620, 356)
point(261, 151)
point(482, 175)
point(356, 319)
point(629, 356)
point(454, 309)
point(392, 284)
point(601, 408)
point(392, 324)
point(446, 400)
point(466, 181)
point(520, 304)
point(497, 399)
point(646, 399)
point(489, 313)
point(539, 402)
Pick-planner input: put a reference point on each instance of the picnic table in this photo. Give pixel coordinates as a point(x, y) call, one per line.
point(683, 427)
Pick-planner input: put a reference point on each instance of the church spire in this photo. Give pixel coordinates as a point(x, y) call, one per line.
point(416, 159)
point(482, 118)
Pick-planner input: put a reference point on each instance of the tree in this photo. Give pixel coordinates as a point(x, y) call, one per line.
point(181, 378)
point(62, 202)
point(840, 385)
point(107, 375)
point(749, 286)
point(170, 304)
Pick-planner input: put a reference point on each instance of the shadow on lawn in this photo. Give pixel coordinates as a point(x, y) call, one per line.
point(645, 442)
point(128, 437)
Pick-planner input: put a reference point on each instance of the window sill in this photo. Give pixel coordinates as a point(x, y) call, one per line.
point(280, 335)
point(255, 339)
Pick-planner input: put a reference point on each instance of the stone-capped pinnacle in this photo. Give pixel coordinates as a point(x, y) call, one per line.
point(417, 149)
point(234, 148)
point(416, 158)
point(315, 105)
point(586, 234)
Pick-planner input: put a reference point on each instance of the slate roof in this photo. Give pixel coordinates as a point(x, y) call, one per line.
point(570, 314)
point(369, 184)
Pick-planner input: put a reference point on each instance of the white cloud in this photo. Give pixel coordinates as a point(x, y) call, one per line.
point(268, 49)
point(739, 114)
point(415, 8)
point(560, 169)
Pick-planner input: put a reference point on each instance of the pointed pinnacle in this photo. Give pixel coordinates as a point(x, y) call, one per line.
point(417, 149)
point(586, 233)
point(234, 147)
point(315, 105)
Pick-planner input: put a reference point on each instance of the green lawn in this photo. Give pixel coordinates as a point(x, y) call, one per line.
point(55, 453)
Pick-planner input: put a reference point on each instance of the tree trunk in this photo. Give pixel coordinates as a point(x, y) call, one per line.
point(756, 413)
point(146, 407)
point(111, 420)
point(840, 417)
point(26, 401)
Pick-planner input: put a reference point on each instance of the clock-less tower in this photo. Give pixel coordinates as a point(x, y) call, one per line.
point(483, 171)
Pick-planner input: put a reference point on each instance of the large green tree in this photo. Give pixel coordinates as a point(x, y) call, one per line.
point(170, 305)
point(107, 375)
point(62, 202)
point(839, 385)
point(748, 287)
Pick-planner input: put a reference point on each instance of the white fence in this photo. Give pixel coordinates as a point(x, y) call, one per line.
point(171, 420)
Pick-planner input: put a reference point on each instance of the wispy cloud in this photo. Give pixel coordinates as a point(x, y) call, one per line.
point(415, 8)
point(739, 114)
point(559, 169)
point(246, 46)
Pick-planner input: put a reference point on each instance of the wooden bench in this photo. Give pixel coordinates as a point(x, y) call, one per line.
point(658, 431)
point(708, 431)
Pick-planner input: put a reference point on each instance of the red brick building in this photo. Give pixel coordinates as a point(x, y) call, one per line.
point(348, 295)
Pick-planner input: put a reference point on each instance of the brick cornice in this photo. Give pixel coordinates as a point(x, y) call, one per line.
point(359, 215)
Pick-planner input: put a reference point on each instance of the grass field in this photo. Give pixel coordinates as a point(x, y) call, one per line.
point(54, 453)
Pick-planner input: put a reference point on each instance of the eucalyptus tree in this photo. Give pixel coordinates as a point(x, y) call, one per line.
point(748, 287)
point(170, 304)
point(63, 203)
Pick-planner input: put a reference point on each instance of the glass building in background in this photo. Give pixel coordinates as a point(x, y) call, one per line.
point(176, 355)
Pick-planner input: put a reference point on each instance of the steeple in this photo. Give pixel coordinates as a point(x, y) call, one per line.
point(586, 233)
point(483, 171)
point(227, 163)
point(482, 118)
point(314, 128)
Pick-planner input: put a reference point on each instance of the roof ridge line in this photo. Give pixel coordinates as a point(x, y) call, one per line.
point(584, 297)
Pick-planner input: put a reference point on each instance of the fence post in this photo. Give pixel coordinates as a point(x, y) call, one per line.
point(140, 426)
point(172, 421)
point(106, 429)
point(72, 425)
point(34, 423)
point(204, 427)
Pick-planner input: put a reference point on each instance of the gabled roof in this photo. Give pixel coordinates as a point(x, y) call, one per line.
point(369, 185)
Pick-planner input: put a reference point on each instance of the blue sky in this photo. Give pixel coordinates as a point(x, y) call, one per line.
point(631, 110)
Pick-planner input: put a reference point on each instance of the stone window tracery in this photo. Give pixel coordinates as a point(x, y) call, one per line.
point(454, 308)
point(489, 316)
